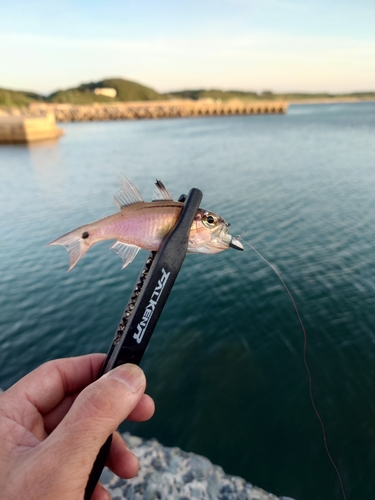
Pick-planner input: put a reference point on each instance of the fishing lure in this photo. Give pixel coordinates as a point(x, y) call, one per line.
point(140, 224)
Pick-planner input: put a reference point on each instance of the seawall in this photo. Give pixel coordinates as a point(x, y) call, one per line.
point(148, 109)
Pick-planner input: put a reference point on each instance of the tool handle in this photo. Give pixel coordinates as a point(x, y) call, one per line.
point(145, 306)
point(97, 468)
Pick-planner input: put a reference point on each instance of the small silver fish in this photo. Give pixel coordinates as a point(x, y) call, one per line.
point(141, 224)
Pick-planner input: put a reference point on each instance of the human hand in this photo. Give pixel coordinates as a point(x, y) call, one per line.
point(54, 421)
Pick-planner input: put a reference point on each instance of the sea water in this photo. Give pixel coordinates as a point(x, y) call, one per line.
point(225, 364)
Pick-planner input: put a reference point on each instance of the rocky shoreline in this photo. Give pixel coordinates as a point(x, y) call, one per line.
point(172, 474)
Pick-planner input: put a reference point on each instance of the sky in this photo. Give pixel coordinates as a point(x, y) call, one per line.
point(254, 45)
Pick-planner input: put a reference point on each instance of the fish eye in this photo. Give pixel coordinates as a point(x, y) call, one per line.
point(209, 220)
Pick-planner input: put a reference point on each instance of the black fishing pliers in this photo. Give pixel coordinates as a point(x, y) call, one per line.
point(145, 306)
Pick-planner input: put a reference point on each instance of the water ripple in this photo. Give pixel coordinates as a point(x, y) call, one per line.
point(225, 363)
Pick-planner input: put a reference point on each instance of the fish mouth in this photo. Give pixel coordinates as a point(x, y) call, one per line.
point(232, 242)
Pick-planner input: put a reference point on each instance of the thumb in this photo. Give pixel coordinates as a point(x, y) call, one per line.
point(96, 413)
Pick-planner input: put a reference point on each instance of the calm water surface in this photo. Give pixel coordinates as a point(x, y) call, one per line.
point(225, 363)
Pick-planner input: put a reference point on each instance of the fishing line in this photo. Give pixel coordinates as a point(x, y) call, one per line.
point(305, 363)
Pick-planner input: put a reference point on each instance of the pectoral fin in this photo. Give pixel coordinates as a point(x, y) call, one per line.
point(126, 252)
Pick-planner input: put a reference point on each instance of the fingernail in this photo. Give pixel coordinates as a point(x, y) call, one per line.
point(130, 375)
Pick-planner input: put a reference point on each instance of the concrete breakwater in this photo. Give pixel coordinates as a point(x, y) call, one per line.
point(162, 109)
point(24, 129)
point(150, 109)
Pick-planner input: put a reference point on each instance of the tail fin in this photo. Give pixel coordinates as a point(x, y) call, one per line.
point(75, 244)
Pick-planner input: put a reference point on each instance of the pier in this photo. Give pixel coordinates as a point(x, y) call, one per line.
point(37, 121)
point(158, 109)
point(25, 129)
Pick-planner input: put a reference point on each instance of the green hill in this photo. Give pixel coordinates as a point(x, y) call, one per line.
point(74, 96)
point(125, 91)
point(17, 97)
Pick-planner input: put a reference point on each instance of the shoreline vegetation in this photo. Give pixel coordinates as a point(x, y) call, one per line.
point(118, 90)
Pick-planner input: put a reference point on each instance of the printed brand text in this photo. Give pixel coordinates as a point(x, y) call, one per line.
point(150, 308)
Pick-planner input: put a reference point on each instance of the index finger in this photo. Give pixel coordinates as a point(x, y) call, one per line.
point(48, 384)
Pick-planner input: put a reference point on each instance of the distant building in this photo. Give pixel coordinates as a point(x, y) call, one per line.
point(108, 92)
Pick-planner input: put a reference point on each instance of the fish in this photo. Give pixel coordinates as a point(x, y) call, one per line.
point(140, 224)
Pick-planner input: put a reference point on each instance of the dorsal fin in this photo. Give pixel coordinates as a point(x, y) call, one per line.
point(128, 194)
point(161, 192)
